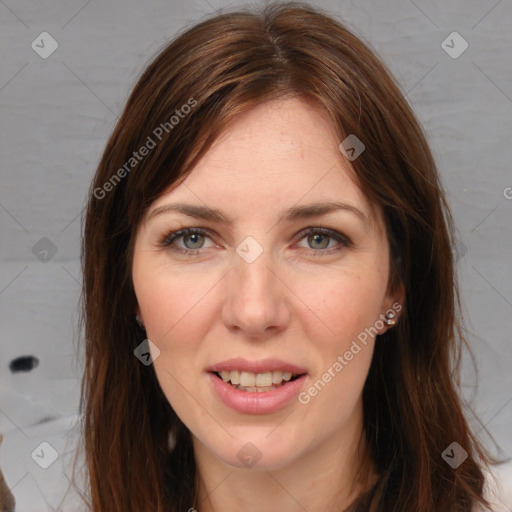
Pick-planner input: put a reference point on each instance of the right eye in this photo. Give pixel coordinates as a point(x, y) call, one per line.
point(192, 240)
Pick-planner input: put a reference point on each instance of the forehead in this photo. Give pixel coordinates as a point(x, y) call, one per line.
point(276, 155)
point(278, 139)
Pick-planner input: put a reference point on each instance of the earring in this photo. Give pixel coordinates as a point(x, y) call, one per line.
point(139, 321)
point(390, 318)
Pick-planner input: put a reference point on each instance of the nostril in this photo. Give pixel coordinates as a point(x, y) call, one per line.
point(23, 364)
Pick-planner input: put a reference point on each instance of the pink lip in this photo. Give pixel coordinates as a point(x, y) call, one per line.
point(264, 365)
point(256, 403)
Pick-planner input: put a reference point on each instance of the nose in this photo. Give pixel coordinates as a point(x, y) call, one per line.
point(257, 303)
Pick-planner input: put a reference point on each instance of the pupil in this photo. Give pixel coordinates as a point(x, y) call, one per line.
point(193, 236)
point(317, 238)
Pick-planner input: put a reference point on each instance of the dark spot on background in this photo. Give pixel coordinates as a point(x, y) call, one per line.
point(23, 364)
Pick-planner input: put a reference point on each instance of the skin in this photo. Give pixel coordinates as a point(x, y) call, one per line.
point(289, 304)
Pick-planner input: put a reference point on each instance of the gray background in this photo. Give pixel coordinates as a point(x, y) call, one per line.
point(57, 114)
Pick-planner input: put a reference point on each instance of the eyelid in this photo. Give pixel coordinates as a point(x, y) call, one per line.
point(175, 234)
point(332, 233)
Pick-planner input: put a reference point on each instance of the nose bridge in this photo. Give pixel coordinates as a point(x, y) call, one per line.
point(254, 278)
point(252, 262)
point(256, 299)
point(253, 282)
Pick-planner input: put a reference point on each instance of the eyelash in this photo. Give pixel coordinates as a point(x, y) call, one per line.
point(344, 241)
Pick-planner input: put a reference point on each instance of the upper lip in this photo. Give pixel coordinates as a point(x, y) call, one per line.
point(261, 366)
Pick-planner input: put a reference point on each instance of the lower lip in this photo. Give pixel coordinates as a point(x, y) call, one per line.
point(256, 403)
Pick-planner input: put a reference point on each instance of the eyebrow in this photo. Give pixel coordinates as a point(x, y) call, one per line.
point(290, 214)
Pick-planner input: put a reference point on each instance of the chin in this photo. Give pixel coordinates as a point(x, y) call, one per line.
point(259, 451)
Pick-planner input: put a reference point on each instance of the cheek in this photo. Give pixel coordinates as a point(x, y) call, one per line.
point(177, 312)
point(346, 303)
point(170, 299)
point(344, 343)
point(348, 306)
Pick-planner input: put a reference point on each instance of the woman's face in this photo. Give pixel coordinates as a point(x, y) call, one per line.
point(255, 294)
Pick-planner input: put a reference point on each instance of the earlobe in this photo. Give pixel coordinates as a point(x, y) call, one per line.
point(398, 299)
point(139, 321)
point(138, 318)
point(392, 315)
point(390, 318)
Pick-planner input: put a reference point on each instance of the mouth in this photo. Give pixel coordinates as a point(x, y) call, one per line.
point(256, 386)
point(261, 382)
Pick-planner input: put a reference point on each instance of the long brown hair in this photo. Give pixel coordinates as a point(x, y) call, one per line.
point(221, 68)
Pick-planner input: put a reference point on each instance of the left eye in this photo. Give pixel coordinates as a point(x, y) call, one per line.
point(319, 239)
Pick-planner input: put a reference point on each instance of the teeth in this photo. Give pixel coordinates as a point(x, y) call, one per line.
point(255, 389)
point(255, 382)
point(247, 379)
point(277, 377)
point(264, 380)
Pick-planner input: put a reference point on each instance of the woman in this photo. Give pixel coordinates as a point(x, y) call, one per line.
point(269, 291)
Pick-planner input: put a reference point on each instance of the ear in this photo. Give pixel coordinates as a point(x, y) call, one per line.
point(393, 305)
point(397, 297)
point(139, 316)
